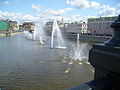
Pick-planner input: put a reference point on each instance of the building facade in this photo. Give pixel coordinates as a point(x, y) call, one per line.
point(28, 26)
point(10, 25)
point(48, 26)
point(21, 27)
point(76, 27)
point(101, 26)
point(13, 26)
point(3, 26)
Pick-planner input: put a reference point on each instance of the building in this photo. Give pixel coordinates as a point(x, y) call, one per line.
point(9, 25)
point(13, 26)
point(76, 27)
point(48, 26)
point(28, 26)
point(3, 26)
point(101, 26)
point(21, 27)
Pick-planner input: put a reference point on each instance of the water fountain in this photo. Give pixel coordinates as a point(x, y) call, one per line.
point(78, 52)
point(38, 33)
point(28, 35)
point(56, 33)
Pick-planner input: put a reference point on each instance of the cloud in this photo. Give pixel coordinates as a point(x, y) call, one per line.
point(20, 17)
point(94, 5)
point(5, 2)
point(68, 9)
point(57, 12)
point(118, 5)
point(73, 18)
point(83, 4)
point(36, 7)
point(104, 10)
point(118, 11)
point(107, 11)
point(29, 17)
point(17, 16)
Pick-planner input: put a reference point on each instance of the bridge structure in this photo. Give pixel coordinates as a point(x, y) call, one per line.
point(105, 58)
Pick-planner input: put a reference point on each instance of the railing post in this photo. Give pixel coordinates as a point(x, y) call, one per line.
point(105, 58)
point(115, 40)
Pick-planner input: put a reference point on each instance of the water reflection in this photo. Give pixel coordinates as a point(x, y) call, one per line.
point(27, 65)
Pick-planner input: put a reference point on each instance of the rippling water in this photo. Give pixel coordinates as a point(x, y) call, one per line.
point(27, 65)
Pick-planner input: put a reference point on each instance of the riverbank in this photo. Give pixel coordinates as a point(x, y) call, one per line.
point(14, 33)
point(91, 38)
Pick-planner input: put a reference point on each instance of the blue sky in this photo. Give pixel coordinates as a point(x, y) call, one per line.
point(69, 10)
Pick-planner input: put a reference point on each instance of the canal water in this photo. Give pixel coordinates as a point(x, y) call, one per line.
point(27, 65)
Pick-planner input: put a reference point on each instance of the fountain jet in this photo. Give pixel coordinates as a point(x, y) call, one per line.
point(79, 51)
point(56, 33)
point(38, 33)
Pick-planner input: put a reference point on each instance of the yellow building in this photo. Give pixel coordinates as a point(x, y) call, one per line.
point(13, 26)
point(28, 26)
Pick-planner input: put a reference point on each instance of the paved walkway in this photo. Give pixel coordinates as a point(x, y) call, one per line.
point(15, 33)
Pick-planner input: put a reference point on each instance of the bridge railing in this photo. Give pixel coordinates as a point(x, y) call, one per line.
point(105, 58)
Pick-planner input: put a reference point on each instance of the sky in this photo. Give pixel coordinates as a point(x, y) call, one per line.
point(67, 10)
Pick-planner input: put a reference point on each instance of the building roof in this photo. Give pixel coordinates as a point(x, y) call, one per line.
point(102, 19)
